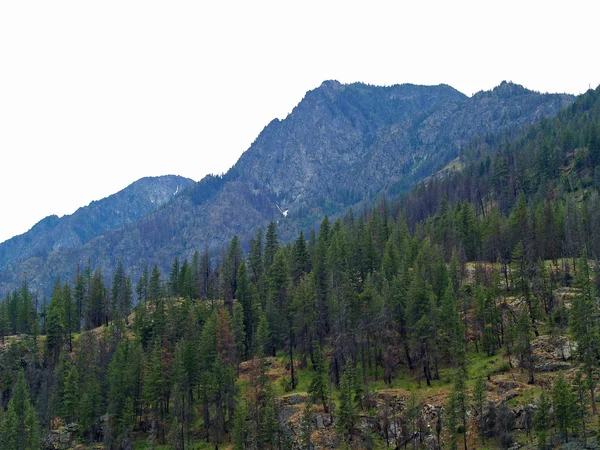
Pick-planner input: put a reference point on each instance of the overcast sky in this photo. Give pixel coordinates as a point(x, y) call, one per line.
point(94, 95)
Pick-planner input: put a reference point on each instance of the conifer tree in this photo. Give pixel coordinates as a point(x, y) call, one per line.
point(318, 385)
point(241, 430)
point(55, 323)
point(301, 263)
point(239, 334)
point(271, 246)
point(480, 399)
point(523, 343)
point(245, 298)
point(458, 407)
point(584, 324)
point(20, 428)
point(141, 288)
point(564, 406)
point(347, 412)
point(541, 421)
point(155, 289)
point(307, 426)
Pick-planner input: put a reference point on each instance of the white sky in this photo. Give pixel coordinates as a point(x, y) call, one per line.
point(96, 94)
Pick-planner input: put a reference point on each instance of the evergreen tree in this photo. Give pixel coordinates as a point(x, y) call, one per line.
point(542, 420)
point(346, 412)
point(564, 406)
point(142, 286)
point(523, 343)
point(300, 264)
point(584, 324)
point(480, 399)
point(318, 385)
point(458, 407)
point(239, 334)
point(307, 426)
point(155, 289)
point(241, 430)
point(55, 323)
point(20, 429)
point(271, 246)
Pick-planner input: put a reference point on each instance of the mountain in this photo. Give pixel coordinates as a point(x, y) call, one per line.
point(479, 283)
point(127, 206)
point(342, 145)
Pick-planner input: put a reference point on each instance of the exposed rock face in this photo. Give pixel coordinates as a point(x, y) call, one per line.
point(552, 353)
point(63, 438)
point(341, 145)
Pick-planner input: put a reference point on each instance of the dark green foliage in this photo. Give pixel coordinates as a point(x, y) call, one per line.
point(542, 420)
point(19, 428)
point(465, 268)
point(346, 412)
point(564, 404)
point(318, 385)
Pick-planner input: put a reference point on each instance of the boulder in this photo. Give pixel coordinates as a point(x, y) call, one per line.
point(62, 438)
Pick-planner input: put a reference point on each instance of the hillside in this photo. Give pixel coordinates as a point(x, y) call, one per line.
point(463, 315)
point(342, 145)
point(54, 234)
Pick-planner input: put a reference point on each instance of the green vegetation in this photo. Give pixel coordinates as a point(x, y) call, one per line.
point(382, 318)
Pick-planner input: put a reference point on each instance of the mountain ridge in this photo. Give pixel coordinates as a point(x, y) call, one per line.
point(128, 205)
point(343, 144)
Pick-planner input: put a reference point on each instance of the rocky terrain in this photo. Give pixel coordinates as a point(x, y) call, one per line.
point(342, 145)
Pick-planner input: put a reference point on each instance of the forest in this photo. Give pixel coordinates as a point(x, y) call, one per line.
point(419, 323)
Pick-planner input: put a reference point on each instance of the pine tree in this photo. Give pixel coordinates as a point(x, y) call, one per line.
point(269, 430)
point(263, 336)
point(347, 411)
point(271, 246)
point(579, 388)
point(119, 291)
point(182, 398)
point(255, 259)
point(55, 323)
point(70, 322)
point(246, 301)
point(239, 334)
point(70, 393)
point(521, 279)
point(20, 428)
point(564, 406)
point(458, 407)
point(94, 309)
point(480, 399)
point(584, 323)
point(240, 434)
point(523, 343)
point(307, 425)
point(155, 289)
point(141, 288)
point(541, 420)
point(231, 272)
point(300, 264)
point(174, 287)
point(318, 385)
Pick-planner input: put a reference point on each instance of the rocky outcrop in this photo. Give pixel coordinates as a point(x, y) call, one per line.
point(552, 353)
point(62, 438)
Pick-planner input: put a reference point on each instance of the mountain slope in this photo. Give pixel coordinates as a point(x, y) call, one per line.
point(125, 207)
point(341, 145)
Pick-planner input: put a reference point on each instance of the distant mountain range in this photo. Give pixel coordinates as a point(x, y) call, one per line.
point(341, 146)
point(54, 234)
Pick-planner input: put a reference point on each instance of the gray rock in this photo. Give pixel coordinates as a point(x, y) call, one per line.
point(320, 423)
point(341, 144)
